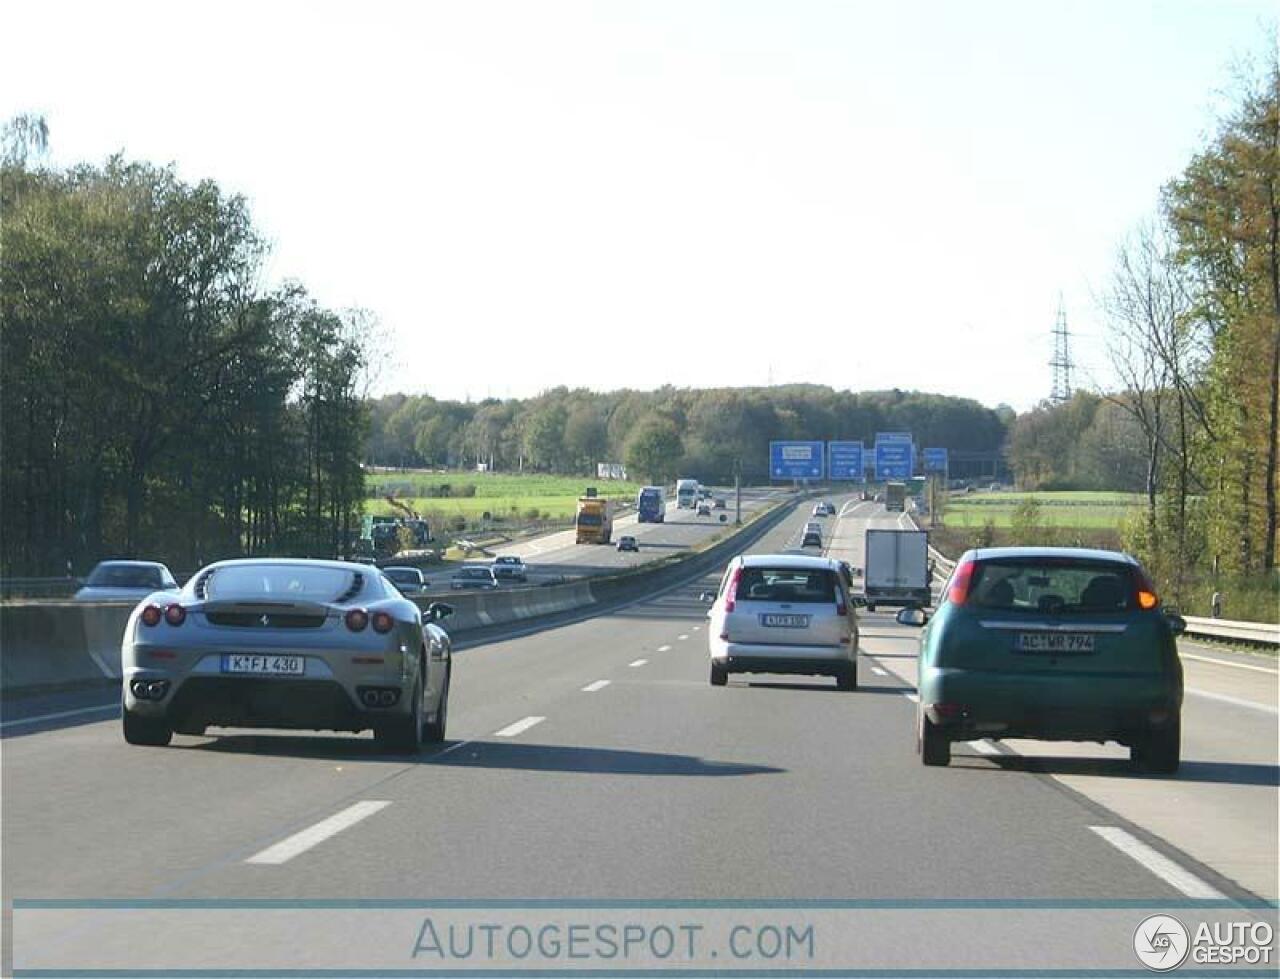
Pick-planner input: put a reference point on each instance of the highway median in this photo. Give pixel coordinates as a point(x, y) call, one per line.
point(52, 645)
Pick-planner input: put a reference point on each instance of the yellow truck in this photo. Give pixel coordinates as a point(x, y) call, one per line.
point(594, 521)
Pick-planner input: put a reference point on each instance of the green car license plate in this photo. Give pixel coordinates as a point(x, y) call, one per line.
point(1055, 642)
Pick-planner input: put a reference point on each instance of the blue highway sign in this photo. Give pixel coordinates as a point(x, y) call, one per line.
point(797, 460)
point(846, 461)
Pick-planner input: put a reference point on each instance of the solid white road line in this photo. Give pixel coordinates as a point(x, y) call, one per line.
point(519, 727)
point(1234, 701)
point(984, 748)
point(638, 662)
point(593, 687)
point(62, 713)
point(291, 846)
point(1171, 873)
point(664, 649)
point(911, 696)
point(1223, 662)
point(879, 672)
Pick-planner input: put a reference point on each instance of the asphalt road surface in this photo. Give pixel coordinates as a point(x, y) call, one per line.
point(594, 759)
point(557, 556)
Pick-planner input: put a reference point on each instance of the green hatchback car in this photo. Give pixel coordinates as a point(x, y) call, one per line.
point(1053, 643)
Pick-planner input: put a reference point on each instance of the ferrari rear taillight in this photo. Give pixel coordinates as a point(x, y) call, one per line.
point(357, 619)
point(175, 614)
point(151, 615)
point(731, 593)
point(958, 592)
point(382, 622)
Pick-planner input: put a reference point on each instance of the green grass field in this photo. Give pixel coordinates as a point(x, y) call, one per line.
point(1073, 510)
point(508, 495)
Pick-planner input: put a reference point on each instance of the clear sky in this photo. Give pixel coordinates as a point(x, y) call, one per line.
point(527, 194)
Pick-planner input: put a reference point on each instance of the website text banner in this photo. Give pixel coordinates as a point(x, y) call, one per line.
point(633, 938)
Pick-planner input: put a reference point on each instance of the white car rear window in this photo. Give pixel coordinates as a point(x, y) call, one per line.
point(787, 585)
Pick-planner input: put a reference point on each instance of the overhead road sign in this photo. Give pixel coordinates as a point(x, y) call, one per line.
point(892, 437)
point(797, 460)
point(935, 460)
point(846, 461)
point(893, 461)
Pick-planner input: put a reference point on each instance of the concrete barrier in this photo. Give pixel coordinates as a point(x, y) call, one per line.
point(47, 645)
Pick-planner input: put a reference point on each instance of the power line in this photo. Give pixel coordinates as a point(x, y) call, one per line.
point(1061, 362)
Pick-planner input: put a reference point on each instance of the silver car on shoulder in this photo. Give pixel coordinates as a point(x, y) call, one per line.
point(286, 643)
point(409, 581)
point(125, 581)
point(783, 613)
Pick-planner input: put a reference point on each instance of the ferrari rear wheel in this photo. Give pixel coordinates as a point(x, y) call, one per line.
point(434, 731)
point(148, 731)
point(403, 735)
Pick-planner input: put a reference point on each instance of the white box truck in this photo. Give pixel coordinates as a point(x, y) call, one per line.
point(897, 568)
point(686, 494)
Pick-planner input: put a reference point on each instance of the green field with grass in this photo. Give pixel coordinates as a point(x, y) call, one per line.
point(1071, 510)
point(510, 496)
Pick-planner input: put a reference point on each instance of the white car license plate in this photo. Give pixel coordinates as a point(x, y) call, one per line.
point(1055, 642)
point(263, 664)
point(776, 621)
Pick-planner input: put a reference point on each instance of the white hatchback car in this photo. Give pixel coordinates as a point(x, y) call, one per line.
point(783, 613)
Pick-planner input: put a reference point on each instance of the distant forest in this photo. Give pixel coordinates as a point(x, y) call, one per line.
point(711, 433)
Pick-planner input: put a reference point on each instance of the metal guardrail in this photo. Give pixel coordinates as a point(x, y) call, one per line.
point(1263, 633)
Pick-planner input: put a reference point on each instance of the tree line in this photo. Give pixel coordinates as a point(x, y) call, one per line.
point(1193, 313)
point(711, 433)
point(157, 402)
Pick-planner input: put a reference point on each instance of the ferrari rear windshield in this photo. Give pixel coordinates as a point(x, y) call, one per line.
point(284, 582)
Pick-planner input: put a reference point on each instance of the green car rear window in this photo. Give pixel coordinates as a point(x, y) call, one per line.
point(1053, 586)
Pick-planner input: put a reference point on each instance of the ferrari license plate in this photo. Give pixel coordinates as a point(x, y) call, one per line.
point(1055, 642)
point(777, 621)
point(263, 664)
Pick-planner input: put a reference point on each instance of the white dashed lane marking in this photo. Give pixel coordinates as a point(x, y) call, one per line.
point(638, 662)
point(300, 842)
point(597, 685)
point(519, 727)
point(985, 748)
